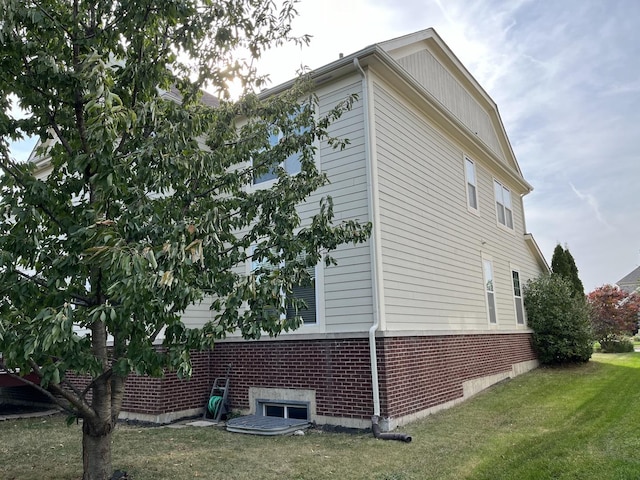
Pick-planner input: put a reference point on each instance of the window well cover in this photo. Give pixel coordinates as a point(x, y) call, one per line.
point(262, 425)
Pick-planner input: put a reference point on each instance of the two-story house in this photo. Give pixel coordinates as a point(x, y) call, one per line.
point(426, 313)
point(429, 311)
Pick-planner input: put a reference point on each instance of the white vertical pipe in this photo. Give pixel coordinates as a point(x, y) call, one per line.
point(376, 250)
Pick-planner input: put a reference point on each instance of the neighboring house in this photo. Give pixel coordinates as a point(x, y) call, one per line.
point(429, 311)
point(631, 282)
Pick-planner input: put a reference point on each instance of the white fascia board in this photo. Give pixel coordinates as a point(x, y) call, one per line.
point(535, 249)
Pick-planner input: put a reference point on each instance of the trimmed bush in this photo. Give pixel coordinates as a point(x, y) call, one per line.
point(616, 344)
point(560, 323)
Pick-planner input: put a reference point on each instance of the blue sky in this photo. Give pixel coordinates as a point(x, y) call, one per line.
point(566, 77)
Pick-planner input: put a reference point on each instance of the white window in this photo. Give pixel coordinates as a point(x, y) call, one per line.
point(291, 164)
point(295, 410)
point(517, 296)
point(490, 290)
point(308, 293)
point(503, 204)
point(472, 184)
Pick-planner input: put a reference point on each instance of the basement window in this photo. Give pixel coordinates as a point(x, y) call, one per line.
point(295, 410)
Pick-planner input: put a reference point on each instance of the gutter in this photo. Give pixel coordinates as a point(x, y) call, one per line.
point(326, 72)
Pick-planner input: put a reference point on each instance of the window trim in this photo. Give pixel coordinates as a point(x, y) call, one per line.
point(487, 260)
point(318, 326)
point(262, 404)
point(501, 203)
point(513, 270)
point(251, 186)
point(468, 161)
point(270, 181)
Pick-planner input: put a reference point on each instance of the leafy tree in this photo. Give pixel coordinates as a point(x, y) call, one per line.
point(614, 312)
point(142, 207)
point(560, 322)
point(563, 264)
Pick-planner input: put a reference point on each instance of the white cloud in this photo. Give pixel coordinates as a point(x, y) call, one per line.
point(593, 204)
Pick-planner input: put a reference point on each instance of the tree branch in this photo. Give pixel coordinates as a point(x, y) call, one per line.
point(9, 166)
point(56, 129)
point(104, 375)
point(32, 278)
point(75, 298)
point(37, 88)
point(83, 409)
point(55, 21)
point(78, 100)
point(117, 395)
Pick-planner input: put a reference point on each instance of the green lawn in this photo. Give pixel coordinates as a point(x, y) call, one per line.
point(566, 423)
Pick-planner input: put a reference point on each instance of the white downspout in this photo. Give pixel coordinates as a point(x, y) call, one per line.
point(376, 250)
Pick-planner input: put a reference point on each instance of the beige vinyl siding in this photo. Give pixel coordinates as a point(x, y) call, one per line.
point(432, 245)
point(430, 73)
point(348, 294)
point(347, 286)
point(43, 173)
point(197, 315)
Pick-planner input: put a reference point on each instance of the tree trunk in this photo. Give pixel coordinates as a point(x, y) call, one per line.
point(96, 452)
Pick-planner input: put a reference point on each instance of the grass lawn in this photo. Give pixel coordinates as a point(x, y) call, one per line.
point(562, 423)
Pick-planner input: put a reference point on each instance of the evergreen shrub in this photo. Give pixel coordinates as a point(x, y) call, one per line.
point(560, 322)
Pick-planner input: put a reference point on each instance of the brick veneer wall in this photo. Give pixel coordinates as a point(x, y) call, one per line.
point(167, 394)
point(338, 370)
point(415, 373)
point(170, 393)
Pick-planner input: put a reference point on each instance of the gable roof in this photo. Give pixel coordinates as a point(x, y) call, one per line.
point(536, 252)
point(174, 94)
point(432, 63)
point(631, 281)
point(390, 60)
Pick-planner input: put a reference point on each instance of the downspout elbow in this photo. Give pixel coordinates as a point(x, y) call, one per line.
point(401, 437)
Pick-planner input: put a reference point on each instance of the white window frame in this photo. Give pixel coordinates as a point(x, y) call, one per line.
point(489, 289)
point(504, 205)
point(471, 184)
point(518, 300)
point(319, 300)
point(274, 138)
point(285, 405)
